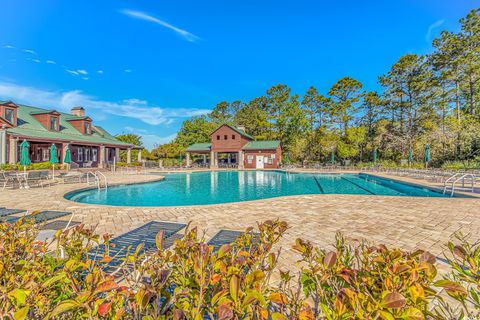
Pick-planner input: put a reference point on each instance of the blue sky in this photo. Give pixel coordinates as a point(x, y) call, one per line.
point(145, 66)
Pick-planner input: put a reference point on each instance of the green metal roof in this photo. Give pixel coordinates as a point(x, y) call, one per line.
point(28, 126)
point(256, 145)
point(200, 147)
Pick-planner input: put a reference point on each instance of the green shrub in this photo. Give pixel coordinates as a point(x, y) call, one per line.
point(33, 166)
point(459, 165)
point(131, 164)
point(191, 281)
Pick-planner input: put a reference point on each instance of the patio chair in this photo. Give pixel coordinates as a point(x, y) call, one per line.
point(227, 237)
point(39, 217)
point(36, 178)
point(145, 235)
point(8, 179)
point(88, 164)
point(4, 212)
point(49, 230)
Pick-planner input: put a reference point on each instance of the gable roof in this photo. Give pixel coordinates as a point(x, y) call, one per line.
point(29, 126)
point(241, 132)
point(200, 147)
point(257, 145)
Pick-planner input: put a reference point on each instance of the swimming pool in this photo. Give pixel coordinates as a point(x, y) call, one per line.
point(201, 188)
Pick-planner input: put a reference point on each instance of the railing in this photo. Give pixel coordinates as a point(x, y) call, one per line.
point(457, 177)
point(96, 179)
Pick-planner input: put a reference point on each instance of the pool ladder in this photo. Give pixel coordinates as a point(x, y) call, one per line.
point(98, 177)
point(459, 177)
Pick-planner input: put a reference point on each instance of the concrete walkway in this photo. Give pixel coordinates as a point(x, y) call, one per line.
point(406, 222)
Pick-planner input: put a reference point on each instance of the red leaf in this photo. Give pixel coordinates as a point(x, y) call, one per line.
point(394, 300)
point(104, 309)
point(107, 286)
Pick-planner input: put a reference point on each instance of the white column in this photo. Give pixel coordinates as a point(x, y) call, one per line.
point(212, 159)
point(204, 159)
point(3, 145)
point(139, 156)
point(117, 154)
point(240, 159)
point(129, 155)
point(64, 151)
point(188, 159)
point(12, 152)
point(101, 157)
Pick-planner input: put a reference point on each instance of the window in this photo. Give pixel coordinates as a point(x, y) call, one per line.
point(80, 155)
point(45, 154)
point(233, 137)
point(225, 137)
point(94, 155)
point(87, 127)
point(87, 154)
point(218, 137)
point(9, 114)
point(54, 123)
point(250, 158)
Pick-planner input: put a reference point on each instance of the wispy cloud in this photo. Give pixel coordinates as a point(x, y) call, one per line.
point(29, 51)
point(85, 78)
point(145, 16)
point(63, 100)
point(75, 73)
point(431, 29)
point(33, 60)
point(128, 70)
point(7, 46)
point(149, 139)
point(100, 71)
point(83, 72)
point(50, 62)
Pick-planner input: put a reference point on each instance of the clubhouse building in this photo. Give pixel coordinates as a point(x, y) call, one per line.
point(90, 145)
point(232, 147)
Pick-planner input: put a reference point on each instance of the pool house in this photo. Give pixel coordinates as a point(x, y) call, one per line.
point(231, 146)
point(89, 144)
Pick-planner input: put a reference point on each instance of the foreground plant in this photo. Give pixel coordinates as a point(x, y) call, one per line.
point(188, 279)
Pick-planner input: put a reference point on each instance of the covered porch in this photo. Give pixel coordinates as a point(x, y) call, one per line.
point(83, 155)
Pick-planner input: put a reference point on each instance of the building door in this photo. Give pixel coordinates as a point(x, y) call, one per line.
point(259, 162)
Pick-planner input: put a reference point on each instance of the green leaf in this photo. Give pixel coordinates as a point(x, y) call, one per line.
point(21, 313)
point(18, 297)
point(65, 306)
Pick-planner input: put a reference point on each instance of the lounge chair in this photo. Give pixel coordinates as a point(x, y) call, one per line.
point(8, 212)
point(227, 237)
point(39, 217)
point(36, 178)
point(49, 230)
point(145, 235)
point(8, 179)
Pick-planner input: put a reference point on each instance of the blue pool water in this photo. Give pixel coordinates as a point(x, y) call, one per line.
point(201, 188)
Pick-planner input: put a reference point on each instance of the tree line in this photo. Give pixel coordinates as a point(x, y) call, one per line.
point(424, 99)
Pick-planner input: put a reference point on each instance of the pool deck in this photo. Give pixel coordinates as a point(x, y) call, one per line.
point(406, 222)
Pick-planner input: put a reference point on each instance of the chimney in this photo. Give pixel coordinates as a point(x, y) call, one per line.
point(78, 111)
point(241, 128)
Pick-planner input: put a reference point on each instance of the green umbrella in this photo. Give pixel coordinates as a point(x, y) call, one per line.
point(410, 155)
point(426, 155)
point(24, 158)
point(286, 158)
point(53, 158)
point(68, 156)
point(375, 155)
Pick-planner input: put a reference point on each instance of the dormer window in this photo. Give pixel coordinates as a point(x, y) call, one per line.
point(87, 128)
point(10, 115)
point(53, 123)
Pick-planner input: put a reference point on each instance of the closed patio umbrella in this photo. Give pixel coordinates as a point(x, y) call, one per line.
point(24, 157)
point(375, 155)
point(426, 155)
point(410, 155)
point(286, 157)
point(68, 157)
point(53, 158)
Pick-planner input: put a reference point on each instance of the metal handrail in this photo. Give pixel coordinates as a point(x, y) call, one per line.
point(99, 173)
point(459, 177)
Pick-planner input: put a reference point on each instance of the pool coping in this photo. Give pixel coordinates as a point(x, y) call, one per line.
point(161, 178)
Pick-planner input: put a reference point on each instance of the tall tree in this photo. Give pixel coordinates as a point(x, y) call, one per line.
point(345, 95)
